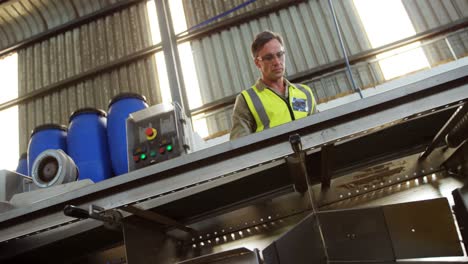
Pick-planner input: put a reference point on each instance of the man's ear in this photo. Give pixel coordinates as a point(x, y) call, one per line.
point(257, 62)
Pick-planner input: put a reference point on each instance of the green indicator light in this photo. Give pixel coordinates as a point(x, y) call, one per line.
point(169, 147)
point(143, 156)
point(153, 153)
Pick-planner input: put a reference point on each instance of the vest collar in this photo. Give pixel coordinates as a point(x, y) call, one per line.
point(261, 86)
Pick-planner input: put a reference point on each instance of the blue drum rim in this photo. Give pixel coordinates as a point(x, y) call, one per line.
point(48, 126)
point(126, 95)
point(87, 110)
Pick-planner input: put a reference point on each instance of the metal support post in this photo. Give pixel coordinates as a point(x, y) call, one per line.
point(171, 55)
point(345, 55)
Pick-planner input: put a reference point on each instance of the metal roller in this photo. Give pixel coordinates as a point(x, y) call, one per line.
point(459, 132)
point(53, 167)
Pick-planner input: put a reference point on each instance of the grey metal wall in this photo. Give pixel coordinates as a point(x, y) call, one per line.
point(82, 49)
point(20, 20)
point(224, 65)
point(429, 14)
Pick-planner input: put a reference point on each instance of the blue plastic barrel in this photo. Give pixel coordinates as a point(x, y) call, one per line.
point(23, 164)
point(48, 136)
point(119, 109)
point(87, 144)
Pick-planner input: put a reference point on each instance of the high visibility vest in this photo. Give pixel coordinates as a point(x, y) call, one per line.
point(270, 110)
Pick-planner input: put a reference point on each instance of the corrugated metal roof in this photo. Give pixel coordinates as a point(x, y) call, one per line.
point(23, 19)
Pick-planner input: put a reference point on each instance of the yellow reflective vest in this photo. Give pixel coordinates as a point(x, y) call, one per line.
point(270, 110)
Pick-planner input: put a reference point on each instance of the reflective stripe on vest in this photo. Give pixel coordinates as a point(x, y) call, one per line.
point(270, 110)
point(259, 108)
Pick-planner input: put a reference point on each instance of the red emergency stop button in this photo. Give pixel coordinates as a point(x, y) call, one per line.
point(136, 158)
point(150, 133)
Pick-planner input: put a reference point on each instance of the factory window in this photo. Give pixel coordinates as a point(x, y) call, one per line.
point(386, 21)
point(186, 60)
point(9, 139)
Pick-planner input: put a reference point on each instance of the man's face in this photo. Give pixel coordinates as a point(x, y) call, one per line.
point(270, 60)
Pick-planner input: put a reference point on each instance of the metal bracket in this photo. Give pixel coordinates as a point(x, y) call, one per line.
point(155, 217)
point(327, 158)
point(297, 164)
point(112, 219)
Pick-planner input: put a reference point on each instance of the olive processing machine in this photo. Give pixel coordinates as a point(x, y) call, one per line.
point(329, 188)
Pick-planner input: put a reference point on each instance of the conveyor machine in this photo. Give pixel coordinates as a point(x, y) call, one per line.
point(365, 181)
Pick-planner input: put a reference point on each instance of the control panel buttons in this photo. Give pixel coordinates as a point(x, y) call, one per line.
point(162, 150)
point(139, 150)
point(153, 153)
point(136, 158)
point(169, 148)
point(143, 156)
point(151, 133)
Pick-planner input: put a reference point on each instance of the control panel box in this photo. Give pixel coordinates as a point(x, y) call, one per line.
point(156, 134)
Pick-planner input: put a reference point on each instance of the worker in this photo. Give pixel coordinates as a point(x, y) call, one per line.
point(272, 100)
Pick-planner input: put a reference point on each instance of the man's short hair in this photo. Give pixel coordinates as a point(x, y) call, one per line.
point(262, 38)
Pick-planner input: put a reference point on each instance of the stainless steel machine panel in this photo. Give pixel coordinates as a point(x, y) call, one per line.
point(157, 134)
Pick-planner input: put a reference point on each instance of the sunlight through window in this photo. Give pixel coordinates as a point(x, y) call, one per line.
point(387, 21)
point(163, 78)
point(9, 153)
point(153, 21)
point(178, 16)
point(190, 79)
